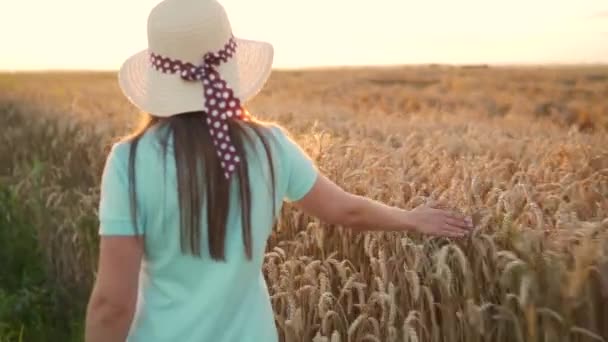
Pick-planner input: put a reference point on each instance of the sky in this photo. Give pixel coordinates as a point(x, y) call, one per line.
point(99, 35)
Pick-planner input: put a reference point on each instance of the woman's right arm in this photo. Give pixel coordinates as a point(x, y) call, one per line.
point(332, 204)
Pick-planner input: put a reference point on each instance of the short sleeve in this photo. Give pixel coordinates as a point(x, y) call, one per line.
point(114, 203)
point(301, 170)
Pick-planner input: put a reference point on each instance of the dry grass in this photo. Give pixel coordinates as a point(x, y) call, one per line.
point(524, 151)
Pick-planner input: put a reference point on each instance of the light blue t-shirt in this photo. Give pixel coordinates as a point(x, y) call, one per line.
point(185, 298)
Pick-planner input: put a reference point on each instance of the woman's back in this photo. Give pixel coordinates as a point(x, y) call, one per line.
point(191, 213)
point(190, 298)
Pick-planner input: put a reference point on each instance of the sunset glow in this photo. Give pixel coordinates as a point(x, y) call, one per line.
point(72, 34)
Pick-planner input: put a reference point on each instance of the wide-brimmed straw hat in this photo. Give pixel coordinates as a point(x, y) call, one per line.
point(182, 35)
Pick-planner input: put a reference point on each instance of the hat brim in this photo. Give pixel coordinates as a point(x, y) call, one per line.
point(165, 95)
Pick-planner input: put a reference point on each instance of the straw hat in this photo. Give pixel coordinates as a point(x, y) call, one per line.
point(187, 30)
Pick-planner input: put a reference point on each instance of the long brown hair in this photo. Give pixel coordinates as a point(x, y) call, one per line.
point(200, 178)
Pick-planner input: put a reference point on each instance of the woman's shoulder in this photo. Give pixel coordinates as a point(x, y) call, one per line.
point(283, 135)
point(147, 143)
point(119, 150)
point(277, 132)
point(259, 133)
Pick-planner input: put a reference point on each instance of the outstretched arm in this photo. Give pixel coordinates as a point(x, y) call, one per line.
point(332, 204)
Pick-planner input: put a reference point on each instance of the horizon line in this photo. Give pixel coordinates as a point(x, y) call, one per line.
point(347, 66)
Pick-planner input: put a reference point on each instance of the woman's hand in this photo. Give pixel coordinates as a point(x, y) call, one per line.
point(431, 220)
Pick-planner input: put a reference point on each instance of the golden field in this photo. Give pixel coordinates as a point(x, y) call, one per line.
point(522, 150)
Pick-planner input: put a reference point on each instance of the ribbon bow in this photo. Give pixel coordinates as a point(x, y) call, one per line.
point(220, 101)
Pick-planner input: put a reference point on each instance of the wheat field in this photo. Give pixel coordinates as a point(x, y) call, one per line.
point(524, 151)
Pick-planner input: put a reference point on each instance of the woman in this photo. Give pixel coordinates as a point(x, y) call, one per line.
point(188, 202)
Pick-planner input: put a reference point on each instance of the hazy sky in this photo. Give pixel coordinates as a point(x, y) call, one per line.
point(84, 34)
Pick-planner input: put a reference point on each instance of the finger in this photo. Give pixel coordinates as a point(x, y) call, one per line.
point(459, 223)
point(468, 223)
point(456, 229)
point(447, 213)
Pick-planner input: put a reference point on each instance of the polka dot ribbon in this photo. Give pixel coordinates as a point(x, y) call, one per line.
point(220, 101)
